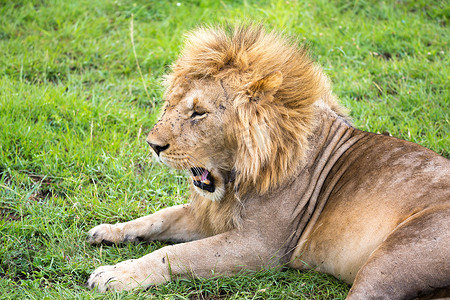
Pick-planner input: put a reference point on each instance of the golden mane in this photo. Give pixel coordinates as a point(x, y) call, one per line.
point(269, 130)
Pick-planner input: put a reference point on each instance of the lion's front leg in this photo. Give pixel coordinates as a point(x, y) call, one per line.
point(175, 223)
point(223, 254)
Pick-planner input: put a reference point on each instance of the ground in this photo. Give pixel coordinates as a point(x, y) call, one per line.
point(75, 110)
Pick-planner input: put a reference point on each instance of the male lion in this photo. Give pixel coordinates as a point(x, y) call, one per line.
point(279, 177)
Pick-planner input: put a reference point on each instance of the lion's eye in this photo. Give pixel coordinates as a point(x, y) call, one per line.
point(197, 114)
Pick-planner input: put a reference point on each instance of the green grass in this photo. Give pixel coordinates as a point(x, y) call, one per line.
point(74, 115)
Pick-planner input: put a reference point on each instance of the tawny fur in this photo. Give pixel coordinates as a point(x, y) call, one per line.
point(217, 217)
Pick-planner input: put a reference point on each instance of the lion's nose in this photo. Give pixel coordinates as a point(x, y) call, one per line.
point(157, 148)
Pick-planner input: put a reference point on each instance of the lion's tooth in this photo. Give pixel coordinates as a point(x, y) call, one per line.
point(206, 181)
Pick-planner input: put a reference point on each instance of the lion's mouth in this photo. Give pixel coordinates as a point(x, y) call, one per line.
point(202, 179)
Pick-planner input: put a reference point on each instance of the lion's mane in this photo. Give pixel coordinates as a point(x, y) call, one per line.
point(270, 132)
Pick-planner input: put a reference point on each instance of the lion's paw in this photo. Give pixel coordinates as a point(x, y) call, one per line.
point(121, 277)
point(105, 234)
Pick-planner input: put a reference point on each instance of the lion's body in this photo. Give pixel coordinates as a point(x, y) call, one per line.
point(279, 177)
point(378, 183)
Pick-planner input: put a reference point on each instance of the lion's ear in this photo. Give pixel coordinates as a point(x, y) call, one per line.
point(266, 86)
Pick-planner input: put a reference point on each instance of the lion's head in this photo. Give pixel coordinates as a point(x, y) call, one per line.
point(239, 109)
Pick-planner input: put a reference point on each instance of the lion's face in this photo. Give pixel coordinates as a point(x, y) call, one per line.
point(190, 135)
point(239, 108)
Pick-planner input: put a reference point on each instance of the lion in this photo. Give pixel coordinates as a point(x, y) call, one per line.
point(279, 177)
